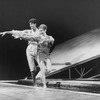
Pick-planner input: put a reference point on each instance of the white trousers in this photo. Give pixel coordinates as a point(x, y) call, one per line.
point(31, 52)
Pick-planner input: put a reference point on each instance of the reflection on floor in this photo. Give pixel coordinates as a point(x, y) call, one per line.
point(11, 91)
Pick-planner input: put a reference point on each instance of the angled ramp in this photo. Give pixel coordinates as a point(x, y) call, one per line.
point(79, 51)
point(91, 61)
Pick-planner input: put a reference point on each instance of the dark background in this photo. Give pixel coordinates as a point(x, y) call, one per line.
point(65, 19)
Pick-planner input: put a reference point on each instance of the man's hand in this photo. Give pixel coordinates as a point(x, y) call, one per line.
point(16, 37)
point(2, 33)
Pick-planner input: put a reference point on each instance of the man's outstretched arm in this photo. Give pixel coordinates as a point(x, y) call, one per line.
point(13, 32)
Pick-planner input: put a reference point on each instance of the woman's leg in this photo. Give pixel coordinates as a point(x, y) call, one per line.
point(42, 70)
point(48, 64)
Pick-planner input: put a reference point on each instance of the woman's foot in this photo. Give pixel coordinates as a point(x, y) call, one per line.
point(44, 86)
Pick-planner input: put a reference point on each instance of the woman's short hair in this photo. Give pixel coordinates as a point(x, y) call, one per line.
point(43, 26)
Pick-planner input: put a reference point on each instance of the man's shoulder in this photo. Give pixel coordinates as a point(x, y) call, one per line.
point(50, 36)
point(27, 30)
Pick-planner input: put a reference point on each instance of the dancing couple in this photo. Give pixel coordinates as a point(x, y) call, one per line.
point(38, 49)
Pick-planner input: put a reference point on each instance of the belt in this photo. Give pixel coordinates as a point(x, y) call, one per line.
point(32, 43)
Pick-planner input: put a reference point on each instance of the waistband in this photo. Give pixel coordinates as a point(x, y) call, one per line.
point(32, 43)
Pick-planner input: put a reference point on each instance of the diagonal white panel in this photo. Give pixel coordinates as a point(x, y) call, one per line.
point(77, 49)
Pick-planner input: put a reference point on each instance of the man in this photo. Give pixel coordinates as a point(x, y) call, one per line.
point(43, 55)
point(31, 51)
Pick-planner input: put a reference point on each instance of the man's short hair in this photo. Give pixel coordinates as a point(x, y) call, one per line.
point(33, 20)
point(43, 26)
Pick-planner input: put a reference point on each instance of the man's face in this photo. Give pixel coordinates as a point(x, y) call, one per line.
point(32, 25)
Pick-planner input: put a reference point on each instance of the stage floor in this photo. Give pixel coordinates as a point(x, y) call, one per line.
point(11, 91)
point(92, 86)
